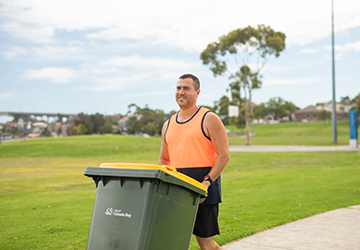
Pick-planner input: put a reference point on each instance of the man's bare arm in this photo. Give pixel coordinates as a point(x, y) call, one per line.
point(216, 131)
point(164, 158)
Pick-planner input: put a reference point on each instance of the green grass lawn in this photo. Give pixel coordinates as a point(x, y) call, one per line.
point(294, 133)
point(46, 202)
point(106, 147)
point(264, 190)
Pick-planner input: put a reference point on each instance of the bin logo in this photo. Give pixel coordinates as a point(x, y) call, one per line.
point(117, 212)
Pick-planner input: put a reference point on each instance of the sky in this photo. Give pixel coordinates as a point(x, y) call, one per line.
point(90, 56)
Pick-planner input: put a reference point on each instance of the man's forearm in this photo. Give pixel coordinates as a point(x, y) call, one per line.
point(219, 165)
point(164, 162)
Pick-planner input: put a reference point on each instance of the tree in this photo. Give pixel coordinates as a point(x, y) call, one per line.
point(112, 120)
point(357, 106)
point(84, 120)
point(97, 121)
point(45, 132)
point(92, 123)
point(145, 120)
point(59, 117)
point(221, 106)
point(323, 115)
point(248, 46)
point(261, 111)
point(134, 125)
point(345, 100)
point(356, 99)
point(290, 108)
point(71, 130)
point(240, 121)
point(235, 93)
point(80, 129)
point(277, 107)
point(152, 120)
point(248, 81)
point(106, 129)
point(151, 128)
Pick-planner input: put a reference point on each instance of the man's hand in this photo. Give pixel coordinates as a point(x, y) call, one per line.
point(206, 184)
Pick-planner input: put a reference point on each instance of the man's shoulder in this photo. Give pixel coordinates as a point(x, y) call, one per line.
point(172, 116)
point(206, 111)
point(211, 119)
point(210, 113)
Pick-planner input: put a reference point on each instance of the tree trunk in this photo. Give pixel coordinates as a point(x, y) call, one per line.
point(247, 105)
point(251, 113)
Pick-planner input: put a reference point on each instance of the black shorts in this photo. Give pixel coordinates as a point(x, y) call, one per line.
point(206, 223)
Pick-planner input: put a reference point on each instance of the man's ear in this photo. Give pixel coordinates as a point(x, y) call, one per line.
point(197, 92)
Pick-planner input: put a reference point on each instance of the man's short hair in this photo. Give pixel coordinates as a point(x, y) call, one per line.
point(196, 81)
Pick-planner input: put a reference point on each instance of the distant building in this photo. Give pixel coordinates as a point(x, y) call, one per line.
point(122, 123)
point(64, 127)
point(342, 111)
point(123, 120)
point(23, 125)
point(38, 127)
point(54, 127)
point(310, 112)
point(10, 126)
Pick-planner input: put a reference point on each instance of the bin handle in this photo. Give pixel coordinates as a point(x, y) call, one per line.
point(169, 168)
point(174, 170)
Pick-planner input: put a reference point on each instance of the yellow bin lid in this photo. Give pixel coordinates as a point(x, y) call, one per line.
point(168, 170)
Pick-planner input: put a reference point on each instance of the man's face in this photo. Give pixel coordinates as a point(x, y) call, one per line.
point(185, 93)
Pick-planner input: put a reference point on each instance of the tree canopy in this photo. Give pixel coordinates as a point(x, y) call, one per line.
point(276, 107)
point(91, 124)
point(241, 54)
point(323, 115)
point(244, 44)
point(145, 120)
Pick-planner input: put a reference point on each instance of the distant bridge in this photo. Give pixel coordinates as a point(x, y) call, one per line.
point(30, 115)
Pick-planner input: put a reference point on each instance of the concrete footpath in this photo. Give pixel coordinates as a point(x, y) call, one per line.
point(338, 229)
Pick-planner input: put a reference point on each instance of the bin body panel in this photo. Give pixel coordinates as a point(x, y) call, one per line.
point(141, 213)
point(173, 220)
point(119, 213)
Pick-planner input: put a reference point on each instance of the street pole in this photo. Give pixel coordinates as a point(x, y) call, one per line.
point(333, 117)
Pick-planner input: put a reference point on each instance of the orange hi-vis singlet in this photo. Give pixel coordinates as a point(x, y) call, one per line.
point(188, 145)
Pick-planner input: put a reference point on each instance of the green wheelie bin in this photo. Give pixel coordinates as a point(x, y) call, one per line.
point(142, 207)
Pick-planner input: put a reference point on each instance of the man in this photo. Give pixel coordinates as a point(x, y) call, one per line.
point(195, 142)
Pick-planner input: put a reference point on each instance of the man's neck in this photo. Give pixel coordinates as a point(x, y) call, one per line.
point(186, 113)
